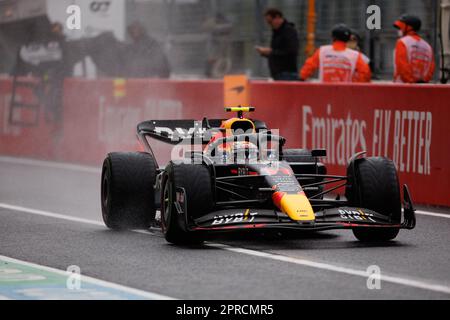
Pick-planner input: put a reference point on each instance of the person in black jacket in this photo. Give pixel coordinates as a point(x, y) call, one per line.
point(284, 47)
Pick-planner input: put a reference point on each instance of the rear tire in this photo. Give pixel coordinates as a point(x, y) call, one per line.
point(196, 181)
point(127, 190)
point(374, 185)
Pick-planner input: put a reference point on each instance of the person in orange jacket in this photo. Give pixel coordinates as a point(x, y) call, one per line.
point(414, 58)
point(336, 62)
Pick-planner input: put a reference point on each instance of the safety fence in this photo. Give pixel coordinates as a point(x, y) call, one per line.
point(409, 124)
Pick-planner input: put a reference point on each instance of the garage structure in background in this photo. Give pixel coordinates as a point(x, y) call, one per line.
point(210, 38)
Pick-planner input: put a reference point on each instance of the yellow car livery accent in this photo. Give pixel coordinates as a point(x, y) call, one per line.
point(235, 123)
point(363, 215)
point(246, 214)
point(297, 207)
point(239, 109)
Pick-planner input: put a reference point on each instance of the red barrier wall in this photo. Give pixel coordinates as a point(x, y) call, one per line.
point(409, 124)
point(18, 141)
point(406, 123)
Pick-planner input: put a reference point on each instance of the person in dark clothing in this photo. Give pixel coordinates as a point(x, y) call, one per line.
point(47, 58)
point(145, 56)
point(283, 51)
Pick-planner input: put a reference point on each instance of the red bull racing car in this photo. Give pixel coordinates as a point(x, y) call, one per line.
point(236, 175)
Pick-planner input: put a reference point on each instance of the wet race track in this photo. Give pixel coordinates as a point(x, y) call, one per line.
point(51, 219)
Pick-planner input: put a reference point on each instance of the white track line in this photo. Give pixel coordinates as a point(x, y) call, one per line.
point(110, 285)
point(329, 267)
point(420, 284)
point(50, 214)
point(50, 164)
point(433, 214)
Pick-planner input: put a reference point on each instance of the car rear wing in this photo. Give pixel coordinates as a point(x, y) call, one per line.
point(192, 131)
point(176, 131)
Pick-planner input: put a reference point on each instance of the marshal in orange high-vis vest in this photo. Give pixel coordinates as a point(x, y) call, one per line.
point(337, 63)
point(414, 58)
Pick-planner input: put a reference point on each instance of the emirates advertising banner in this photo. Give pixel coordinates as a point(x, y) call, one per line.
point(402, 135)
point(408, 124)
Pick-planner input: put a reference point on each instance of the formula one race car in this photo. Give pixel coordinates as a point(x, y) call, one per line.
point(235, 175)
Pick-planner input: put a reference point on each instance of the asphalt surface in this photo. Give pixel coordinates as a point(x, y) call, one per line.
point(326, 265)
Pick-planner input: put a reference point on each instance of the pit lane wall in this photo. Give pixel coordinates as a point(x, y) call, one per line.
point(407, 123)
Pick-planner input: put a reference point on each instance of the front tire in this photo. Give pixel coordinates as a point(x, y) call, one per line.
point(196, 182)
point(127, 190)
point(374, 185)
